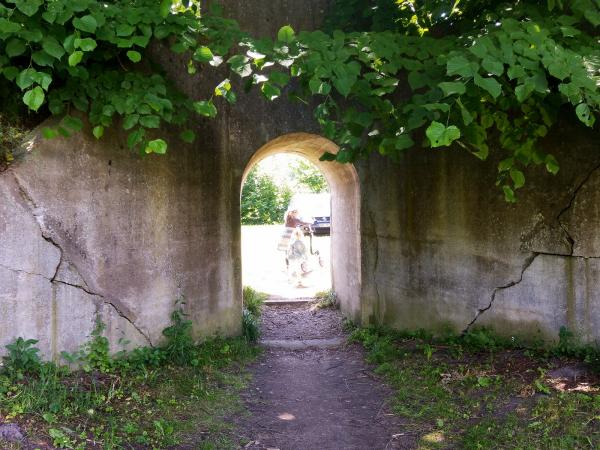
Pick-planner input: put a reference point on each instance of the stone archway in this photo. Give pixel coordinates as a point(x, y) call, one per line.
point(345, 211)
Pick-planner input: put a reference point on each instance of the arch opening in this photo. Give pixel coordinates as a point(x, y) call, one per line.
point(344, 188)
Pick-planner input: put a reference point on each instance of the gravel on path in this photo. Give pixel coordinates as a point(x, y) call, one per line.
point(316, 398)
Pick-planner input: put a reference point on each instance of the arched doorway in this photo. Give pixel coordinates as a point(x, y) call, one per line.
point(345, 210)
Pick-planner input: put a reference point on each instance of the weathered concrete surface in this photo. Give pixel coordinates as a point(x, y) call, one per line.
point(91, 230)
point(443, 249)
point(88, 229)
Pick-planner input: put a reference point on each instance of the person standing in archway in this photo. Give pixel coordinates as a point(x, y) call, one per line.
point(292, 221)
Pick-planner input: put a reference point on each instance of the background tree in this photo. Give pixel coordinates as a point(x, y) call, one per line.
point(263, 201)
point(308, 177)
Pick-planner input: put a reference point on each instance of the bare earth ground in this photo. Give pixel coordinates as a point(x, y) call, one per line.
point(315, 398)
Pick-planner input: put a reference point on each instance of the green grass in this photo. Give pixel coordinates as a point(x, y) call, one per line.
point(253, 304)
point(483, 392)
point(149, 398)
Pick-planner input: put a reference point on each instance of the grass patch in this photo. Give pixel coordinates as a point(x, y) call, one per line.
point(326, 299)
point(149, 398)
point(480, 391)
point(253, 303)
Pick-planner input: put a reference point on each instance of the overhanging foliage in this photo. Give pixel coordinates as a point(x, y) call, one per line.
point(436, 72)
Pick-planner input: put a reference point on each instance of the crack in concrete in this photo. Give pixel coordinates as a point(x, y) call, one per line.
point(24, 271)
point(562, 225)
point(528, 262)
point(108, 302)
point(39, 220)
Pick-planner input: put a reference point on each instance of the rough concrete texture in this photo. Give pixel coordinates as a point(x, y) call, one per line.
point(89, 229)
point(443, 249)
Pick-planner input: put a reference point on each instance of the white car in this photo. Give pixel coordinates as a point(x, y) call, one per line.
point(314, 209)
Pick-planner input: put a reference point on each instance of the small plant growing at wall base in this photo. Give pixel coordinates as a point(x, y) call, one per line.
point(22, 358)
point(326, 299)
point(251, 312)
point(180, 344)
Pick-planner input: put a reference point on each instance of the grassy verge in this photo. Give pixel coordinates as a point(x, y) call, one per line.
point(178, 394)
point(482, 392)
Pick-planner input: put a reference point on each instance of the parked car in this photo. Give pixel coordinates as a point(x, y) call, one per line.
point(314, 209)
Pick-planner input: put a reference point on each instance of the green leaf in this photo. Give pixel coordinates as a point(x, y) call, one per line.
point(165, 8)
point(523, 91)
point(585, 114)
point(440, 136)
point(135, 137)
point(205, 108)
point(25, 78)
point(509, 194)
point(467, 117)
point(203, 54)
point(86, 23)
point(73, 123)
point(286, 34)
point(459, 65)
point(124, 30)
point(551, 164)
point(8, 27)
point(187, 136)
point(41, 58)
point(49, 133)
point(452, 87)
point(493, 66)
point(75, 58)
point(517, 177)
point(134, 56)
point(223, 87)
point(156, 146)
point(15, 47)
point(87, 44)
point(403, 142)
point(98, 131)
point(489, 84)
point(130, 121)
point(318, 86)
point(270, 91)
point(28, 7)
point(344, 84)
point(150, 121)
point(53, 47)
point(34, 98)
point(569, 31)
point(69, 43)
point(516, 72)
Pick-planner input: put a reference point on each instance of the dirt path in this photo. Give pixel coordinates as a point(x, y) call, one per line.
point(310, 392)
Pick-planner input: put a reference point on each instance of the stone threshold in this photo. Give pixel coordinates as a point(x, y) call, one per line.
point(303, 344)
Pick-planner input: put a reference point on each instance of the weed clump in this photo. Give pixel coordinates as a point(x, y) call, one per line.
point(144, 398)
point(481, 390)
point(251, 312)
point(326, 299)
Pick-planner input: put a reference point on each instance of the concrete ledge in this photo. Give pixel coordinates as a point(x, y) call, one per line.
point(273, 300)
point(304, 344)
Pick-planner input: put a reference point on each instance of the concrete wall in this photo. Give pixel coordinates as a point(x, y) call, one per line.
point(89, 229)
point(443, 249)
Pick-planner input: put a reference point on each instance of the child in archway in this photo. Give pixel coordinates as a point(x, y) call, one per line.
point(297, 253)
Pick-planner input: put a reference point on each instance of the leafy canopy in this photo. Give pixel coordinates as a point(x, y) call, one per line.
point(386, 75)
